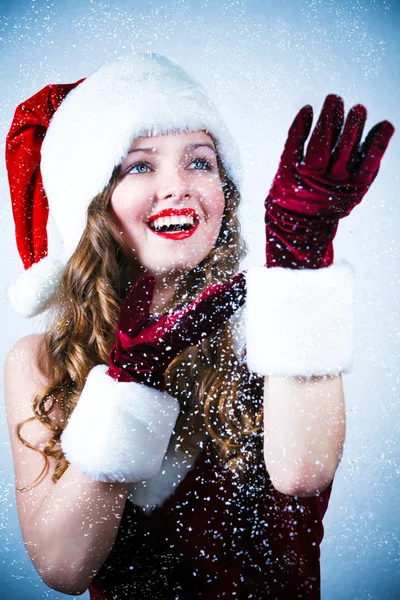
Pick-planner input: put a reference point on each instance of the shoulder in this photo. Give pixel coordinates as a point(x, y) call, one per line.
point(22, 358)
point(27, 342)
point(23, 381)
point(22, 376)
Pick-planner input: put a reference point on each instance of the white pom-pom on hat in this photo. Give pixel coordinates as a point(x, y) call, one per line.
point(31, 291)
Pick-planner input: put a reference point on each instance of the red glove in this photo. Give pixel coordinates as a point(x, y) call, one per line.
point(310, 194)
point(145, 345)
point(130, 423)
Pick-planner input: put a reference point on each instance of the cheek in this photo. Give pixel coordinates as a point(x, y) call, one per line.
point(126, 205)
point(119, 203)
point(214, 208)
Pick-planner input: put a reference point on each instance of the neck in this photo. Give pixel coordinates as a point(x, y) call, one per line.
point(163, 292)
point(165, 288)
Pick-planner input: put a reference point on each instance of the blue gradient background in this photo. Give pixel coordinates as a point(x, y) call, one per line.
point(260, 61)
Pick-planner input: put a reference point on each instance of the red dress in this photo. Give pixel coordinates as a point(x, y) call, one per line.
point(217, 538)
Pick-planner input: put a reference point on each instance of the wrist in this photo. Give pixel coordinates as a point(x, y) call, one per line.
point(141, 374)
point(296, 241)
point(300, 322)
point(299, 252)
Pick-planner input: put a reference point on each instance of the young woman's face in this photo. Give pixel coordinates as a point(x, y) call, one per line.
point(169, 203)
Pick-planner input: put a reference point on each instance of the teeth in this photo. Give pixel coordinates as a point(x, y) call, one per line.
point(172, 220)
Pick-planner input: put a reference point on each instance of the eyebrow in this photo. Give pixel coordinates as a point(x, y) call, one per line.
point(189, 147)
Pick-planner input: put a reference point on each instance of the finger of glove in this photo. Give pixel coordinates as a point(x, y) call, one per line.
point(325, 134)
point(348, 144)
point(135, 309)
point(367, 163)
point(297, 135)
point(208, 313)
point(151, 333)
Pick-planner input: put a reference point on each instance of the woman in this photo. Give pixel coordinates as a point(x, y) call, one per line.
point(168, 477)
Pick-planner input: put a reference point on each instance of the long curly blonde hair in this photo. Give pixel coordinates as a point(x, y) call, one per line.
point(224, 400)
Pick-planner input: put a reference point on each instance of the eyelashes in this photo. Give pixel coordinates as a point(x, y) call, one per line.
point(207, 165)
point(141, 163)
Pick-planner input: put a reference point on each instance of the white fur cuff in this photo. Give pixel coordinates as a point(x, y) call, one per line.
point(119, 431)
point(299, 322)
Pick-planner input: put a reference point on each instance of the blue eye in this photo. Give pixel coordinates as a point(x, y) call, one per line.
point(139, 164)
point(206, 164)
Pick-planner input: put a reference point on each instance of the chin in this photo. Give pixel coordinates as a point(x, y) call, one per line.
point(171, 269)
point(178, 266)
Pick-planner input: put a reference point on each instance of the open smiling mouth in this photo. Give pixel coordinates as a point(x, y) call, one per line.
point(174, 223)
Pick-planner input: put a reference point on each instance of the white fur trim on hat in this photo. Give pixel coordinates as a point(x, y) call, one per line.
point(92, 130)
point(299, 322)
point(119, 431)
point(30, 292)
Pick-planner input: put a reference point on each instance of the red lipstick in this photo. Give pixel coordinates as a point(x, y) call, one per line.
point(168, 212)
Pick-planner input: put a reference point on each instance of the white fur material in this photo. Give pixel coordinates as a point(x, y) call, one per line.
point(175, 466)
point(119, 431)
point(30, 292)
point(238, 328)
point(91, 132)
point(300, 322)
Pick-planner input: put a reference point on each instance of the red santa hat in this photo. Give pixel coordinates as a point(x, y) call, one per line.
point(66, 140)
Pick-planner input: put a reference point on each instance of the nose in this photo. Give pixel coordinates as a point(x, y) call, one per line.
point(175, 188)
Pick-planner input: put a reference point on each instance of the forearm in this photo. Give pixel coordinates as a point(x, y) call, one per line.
point(304, 425)
point(74, 530)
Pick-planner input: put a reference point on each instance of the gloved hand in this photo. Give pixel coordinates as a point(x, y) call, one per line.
point(311, 193)
point(304, 311)
point(120, 429)
point(145, 346)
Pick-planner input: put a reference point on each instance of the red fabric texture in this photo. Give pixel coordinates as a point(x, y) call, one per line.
point(145, 346)
point(312, 190)
point(216, 538)
point(23, 145)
